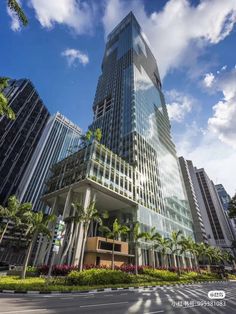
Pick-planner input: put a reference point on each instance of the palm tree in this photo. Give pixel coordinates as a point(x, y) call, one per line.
point(98, 134)
point(85, 217)
point(13, 213)
point(200, 250)
point(175, 246)
point(4, 108)
point(14, 6)
point(114, 233)
point(210, 253)
point(90, 214)
point(137, 236)
point(163, 244)
point(72, 222)
point(36, 223)
point(189, 245)
point(153, 237)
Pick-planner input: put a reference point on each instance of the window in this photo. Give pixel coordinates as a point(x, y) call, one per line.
point(108, 246)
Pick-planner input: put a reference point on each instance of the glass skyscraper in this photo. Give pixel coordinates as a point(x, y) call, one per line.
point(129, 107)
point(19, 137)
point(134, 172)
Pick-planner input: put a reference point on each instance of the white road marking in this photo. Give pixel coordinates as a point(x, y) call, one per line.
point(102, 304)
point(161, 311)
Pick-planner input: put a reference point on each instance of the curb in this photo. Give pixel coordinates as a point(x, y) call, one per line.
point(108, 289)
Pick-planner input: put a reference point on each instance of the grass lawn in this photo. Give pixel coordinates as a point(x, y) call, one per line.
point(42, 284)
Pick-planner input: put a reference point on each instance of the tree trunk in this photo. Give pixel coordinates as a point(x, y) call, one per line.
point(83, 247)
point(136, 259)
point(4, 231)
point(27, 257)
point(68, 244)
point(153, 259)
point(177, 263)
point(196, 263)
point(113, 260)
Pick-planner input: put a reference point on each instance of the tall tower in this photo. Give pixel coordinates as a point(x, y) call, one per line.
point(135, 174)
point(19, 137)
point(130, 109)
point(219, 222)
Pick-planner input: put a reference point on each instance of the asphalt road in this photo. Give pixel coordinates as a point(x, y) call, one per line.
point(185, 299)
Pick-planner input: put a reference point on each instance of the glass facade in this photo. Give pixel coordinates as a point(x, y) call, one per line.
point(19, 137)
point(130, 109)
point(60, 138)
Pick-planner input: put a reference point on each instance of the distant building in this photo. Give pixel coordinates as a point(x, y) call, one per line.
point(225, 199)
point(219, 222)
point(223, 196)
point(19, 137)
point(196, 205)
point(203, 199)
point(60, 138)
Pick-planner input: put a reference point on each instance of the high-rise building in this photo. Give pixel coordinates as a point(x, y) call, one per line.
point(210, 220)
point(225, 199)
point(135, 173)
point(19, 137)
point(223, 195)
point(59, 139)
point(219, 221)
point(196, 203)
point(130, 109)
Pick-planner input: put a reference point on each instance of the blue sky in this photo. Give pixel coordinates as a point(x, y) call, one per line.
point(194, 43)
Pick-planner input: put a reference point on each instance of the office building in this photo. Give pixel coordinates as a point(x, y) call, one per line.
point(207, 210)
point(219, 222)
point(19, 137)
point(225, 199)
point(196, 204)
point(223, 196)
point(134, 173)
point(59, 139)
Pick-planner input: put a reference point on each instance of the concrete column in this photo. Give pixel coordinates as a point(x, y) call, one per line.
point(66, 213)
point(43, 249)
point(79, 239)
point(54, 211)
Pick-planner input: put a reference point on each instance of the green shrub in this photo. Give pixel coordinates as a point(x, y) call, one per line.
point(161, 274)
point(232, 276)
point(190, 275)
point(97, 277)
point(200, 276)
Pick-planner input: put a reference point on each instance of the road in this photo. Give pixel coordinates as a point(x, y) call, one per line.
point(149, 301)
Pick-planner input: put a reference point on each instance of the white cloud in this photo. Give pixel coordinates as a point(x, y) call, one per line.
point(75, 14)
point(74, 56)
point(178, 105)
point(208, 79)
point(180, 31)
point(15, 23)
point(222, 123)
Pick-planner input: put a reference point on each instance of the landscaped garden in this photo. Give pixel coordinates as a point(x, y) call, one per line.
point(66, 278)
point(88, 277)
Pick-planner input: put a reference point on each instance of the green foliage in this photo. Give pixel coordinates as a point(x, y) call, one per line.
point(98, 277)
point(161, 274)
point(4, 108)
point(16, 8)
point(116, 230)
point(98, 134)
